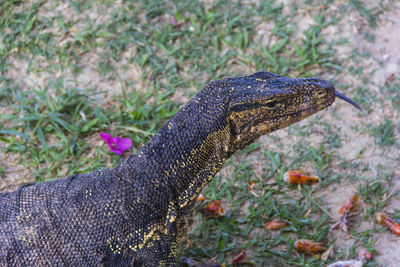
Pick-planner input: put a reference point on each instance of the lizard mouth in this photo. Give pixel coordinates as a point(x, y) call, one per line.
point(348, 100)
point(329, 102)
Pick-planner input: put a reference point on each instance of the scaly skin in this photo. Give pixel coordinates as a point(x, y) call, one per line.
point(136, 213)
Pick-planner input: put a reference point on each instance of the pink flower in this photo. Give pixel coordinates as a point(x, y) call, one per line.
point(117, 144)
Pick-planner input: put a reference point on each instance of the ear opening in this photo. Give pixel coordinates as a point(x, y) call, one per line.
point(233, 127)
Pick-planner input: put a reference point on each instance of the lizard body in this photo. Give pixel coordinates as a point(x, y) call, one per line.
point(136, 213)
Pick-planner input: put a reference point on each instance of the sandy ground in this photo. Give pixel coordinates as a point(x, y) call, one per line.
point(384, 62)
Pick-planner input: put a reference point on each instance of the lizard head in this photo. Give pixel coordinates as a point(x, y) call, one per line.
point(264, 102)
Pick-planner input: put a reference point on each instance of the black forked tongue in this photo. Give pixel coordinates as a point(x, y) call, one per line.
point(348, 100)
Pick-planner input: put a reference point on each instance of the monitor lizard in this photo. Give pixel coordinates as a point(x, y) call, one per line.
point(136, 213)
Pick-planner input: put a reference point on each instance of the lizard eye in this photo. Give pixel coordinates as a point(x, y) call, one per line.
point(271, 104)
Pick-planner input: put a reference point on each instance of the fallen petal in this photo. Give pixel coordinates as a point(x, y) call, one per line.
point(388, 222)
point(117, 144)
point(122, 144)
point(298, 177)
point(275, 225)
point(364, 254)
point(239, 257)
point(309, 246)
point(213, 209)
point(351, 205)
point(200, 198)
point(116, 151)
point(105, 136)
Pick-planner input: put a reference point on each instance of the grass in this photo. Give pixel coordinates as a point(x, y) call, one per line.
point(53, 124)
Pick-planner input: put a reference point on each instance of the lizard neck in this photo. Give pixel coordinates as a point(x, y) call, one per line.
point(189, 149)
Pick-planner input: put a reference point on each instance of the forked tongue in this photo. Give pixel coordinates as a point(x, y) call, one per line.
point(348, 100)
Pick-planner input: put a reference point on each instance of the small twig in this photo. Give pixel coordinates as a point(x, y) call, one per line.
point(13, 171)
point(136, 130)
point(323, 209)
